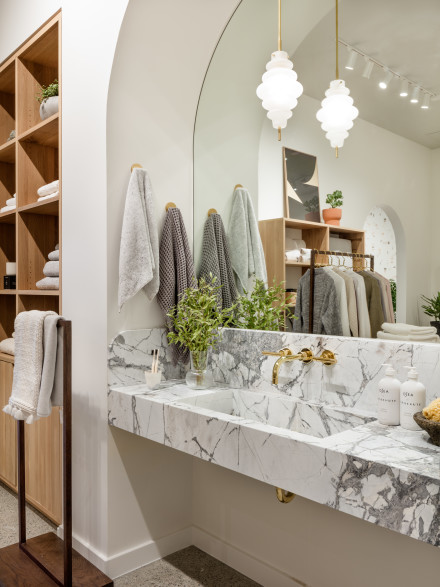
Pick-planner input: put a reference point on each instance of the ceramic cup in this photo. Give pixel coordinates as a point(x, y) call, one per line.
point(153, 379)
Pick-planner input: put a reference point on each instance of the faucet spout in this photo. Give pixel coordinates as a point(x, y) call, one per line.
point(305, 356)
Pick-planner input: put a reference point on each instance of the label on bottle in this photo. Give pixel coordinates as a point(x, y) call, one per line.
point(388, 406)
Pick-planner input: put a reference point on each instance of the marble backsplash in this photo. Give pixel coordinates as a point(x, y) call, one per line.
point(238, 362)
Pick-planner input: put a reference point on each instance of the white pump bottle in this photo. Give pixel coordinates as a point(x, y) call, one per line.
point(388, 398)
point(412, 399)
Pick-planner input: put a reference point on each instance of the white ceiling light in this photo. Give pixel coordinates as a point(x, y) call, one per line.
point(426, 100)
point(280, 89)
point(368, 68)
point(351, 60)
point(337, 112)
point(403, 88)
point(415, 95)
point(383, 84)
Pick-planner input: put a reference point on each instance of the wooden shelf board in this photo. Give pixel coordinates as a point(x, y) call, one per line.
point(296, 264)
point(49, 207)
point(42, 48)
point(344, 230)
point(7, 152)
point(7, 78)
point(8, 292)
point(7, 217)
point(303, 224)
point(44, 133)
point(8, 359)
point(38, 292)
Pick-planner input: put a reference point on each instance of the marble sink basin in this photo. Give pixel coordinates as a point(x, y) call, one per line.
point(277, 410)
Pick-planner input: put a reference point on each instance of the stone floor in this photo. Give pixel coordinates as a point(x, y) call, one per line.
point(189, 567)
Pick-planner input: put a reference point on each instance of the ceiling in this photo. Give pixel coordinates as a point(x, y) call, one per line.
point(404, 36)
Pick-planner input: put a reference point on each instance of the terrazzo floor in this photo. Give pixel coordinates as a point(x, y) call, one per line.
point(189, 567)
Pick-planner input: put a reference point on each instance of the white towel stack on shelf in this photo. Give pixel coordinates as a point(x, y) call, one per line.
point(11, 204)
point(401, 331)
point(51, 271)
point(296, 250)
point(49, 190)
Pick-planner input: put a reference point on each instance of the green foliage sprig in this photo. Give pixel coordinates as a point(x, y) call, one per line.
point(312, 205)
point(335, 199)
point(196, 318)
point(432, 307)
point(393, 286)
point(262, 309)
point(47, 91)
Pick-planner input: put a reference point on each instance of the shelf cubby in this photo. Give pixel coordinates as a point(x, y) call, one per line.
point(38, 302)
point(7, 249)
point(7, 101)
point(37, 65)
point(7, 316)
point(38, 165)
point(37, 237)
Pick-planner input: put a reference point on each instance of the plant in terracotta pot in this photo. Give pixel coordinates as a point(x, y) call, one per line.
point(196, 322)
point(333, 214)
point(312, 208)
point(432, 308)
point(48, 98)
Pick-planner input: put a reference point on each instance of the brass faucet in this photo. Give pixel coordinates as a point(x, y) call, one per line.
point(327, 358)
point(306, 356)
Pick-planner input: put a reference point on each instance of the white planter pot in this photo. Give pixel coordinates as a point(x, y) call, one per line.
point(48, 107)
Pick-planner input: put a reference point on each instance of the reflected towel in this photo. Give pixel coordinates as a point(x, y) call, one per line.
point(411, 338)
point(49, 188)
point(408, 329)
point(294, 255)
point(48, 283)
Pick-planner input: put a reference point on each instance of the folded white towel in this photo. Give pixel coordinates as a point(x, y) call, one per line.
point(49, 188)
point(53, 195)
point(139, 249)
point(48, 283)
point(11, 201)
point(306, 253)
point(51, 387)
point(407, 329)
point(57, 246)
point(7, 208)
point(410, 338)
point(54, 256)
point(294, 255)
point(7, 346)
point(52, 269)
point(32, 357)
point(290, 244)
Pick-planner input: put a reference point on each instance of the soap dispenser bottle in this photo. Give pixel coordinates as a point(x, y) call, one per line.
point(412, 399)
point(388, 398)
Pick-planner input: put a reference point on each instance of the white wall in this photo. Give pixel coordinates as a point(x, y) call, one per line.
point(435, 215)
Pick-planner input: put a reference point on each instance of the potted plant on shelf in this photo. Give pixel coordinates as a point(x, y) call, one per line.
point(432, 308)
point(333, 214)
point(196, 322)
point(48, 98)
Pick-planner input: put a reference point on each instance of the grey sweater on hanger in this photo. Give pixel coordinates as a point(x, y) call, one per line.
point(326, 313)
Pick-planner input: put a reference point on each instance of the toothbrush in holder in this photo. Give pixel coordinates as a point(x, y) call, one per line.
point(153, 377)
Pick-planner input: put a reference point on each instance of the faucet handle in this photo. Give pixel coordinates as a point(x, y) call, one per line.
point(327, 358)
point(285, 352)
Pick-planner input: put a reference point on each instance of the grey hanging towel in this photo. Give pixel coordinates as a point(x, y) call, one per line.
point(216, 259)
point(176, 271)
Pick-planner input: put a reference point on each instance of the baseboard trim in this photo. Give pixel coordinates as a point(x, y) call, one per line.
point(242, 561)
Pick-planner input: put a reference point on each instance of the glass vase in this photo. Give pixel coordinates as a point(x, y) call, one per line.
point(199, 376)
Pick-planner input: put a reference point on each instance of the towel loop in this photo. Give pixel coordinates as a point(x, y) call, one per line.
point(212, 211)
point(170, 205)
point(238, 186)
point(135, 165)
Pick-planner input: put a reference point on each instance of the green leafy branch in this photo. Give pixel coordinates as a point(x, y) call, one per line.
point(47, 91)
point(335, 200)
point(432, 307)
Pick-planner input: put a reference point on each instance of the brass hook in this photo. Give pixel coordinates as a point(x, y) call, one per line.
point(170, 205)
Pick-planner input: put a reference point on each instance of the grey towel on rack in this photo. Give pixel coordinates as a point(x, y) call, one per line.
point(247, 255)
point(326, 313)
point(139, 250)
point(216, 260)
point(176, 271)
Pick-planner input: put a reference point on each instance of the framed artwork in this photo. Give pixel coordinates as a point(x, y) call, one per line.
point(301, 186)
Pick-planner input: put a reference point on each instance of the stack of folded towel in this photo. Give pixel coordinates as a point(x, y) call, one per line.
point(49, 190)
point(400, 331)
point(11, 204)
point(52, 271)
point(8, 346)
point(296, 250)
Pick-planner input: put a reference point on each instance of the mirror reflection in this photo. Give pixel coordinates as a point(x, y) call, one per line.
point(384, 182)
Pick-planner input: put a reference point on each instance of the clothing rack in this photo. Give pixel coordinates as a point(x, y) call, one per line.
point(30, 563)
point(314, 264)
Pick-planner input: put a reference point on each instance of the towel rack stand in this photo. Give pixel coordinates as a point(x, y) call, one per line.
point(30, 563)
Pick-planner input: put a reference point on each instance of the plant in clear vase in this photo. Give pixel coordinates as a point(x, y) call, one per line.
point(197, 321)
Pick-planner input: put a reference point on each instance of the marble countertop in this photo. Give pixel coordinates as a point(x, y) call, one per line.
point(385, 475)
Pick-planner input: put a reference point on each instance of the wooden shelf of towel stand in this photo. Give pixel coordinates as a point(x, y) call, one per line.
point(30, 232)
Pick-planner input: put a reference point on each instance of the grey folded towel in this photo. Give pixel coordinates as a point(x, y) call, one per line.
point(216, 260)
point(48, 283)
point(54, 255)
point(52, 269)
point(139, 250)
point(176, 271)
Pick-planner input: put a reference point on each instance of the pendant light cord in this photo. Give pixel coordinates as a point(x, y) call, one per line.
point(279, 25)
point(337, 41)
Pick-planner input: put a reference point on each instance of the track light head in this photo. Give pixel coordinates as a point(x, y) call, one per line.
point(383, 84)
point(404, 88)
point(368, 68)
point(426, 101)
point(351, 60)
point(415, 95)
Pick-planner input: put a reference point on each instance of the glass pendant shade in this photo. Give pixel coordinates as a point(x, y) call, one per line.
point(337, 113)
point(279, 90)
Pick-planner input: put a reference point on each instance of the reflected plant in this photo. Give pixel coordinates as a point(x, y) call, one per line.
point(432, 307)
point(312, 205)
point(263, 308)
point(393, 285)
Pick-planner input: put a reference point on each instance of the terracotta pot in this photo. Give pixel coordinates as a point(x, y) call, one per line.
point(332, 216)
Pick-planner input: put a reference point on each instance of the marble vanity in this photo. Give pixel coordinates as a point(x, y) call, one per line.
point(314, 434)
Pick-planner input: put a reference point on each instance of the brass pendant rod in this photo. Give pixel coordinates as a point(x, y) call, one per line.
point(337, 41)
point(279, 25)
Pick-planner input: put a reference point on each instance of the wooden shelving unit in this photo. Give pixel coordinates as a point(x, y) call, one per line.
point(27, 235)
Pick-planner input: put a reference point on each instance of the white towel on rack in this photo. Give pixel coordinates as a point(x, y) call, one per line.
point(139, 249)
point(36, 353)
point(49, 188)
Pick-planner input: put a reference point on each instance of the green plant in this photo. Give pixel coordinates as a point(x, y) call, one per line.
point(393, 286)
point(196, 319)
point(47, 91)
point(312, 205)
point(335, 199)
point(263, 308)
point(432, 307)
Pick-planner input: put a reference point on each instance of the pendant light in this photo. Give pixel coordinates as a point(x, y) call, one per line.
point(337, 112)
point(279, 90)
